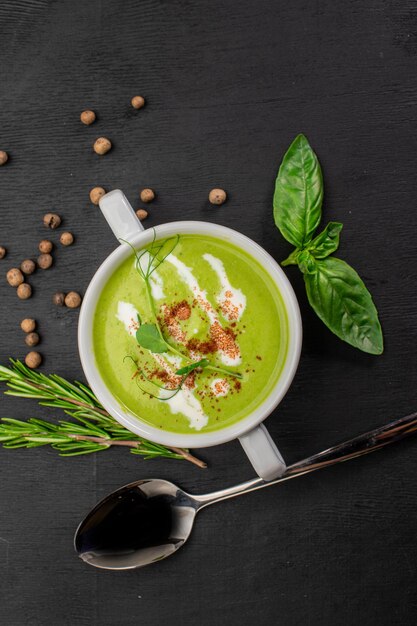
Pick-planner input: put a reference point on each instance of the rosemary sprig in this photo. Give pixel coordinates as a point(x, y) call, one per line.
point(93, 429)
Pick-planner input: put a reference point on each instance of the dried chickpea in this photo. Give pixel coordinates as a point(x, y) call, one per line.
point(142, 214)
point(58, 298)
point(88, 117)
point(24, 291)
point(14, 277)
point(45, 246)
point(102, 145)
point(28, 266)
point(33, 360)
point(45, 261)
point(217, 196)
point(147, 195)
point(51, 220)
point(28, 325)
point(137, 102)
point(72, 300)
point(67, 239)
point(32, 339)
point(96, 194)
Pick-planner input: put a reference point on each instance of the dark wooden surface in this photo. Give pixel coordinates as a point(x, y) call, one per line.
point(228, 85)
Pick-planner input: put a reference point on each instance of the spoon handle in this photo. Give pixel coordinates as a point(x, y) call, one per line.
point(358, 446)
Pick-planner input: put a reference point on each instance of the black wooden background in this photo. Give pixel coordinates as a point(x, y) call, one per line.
point(228, 85)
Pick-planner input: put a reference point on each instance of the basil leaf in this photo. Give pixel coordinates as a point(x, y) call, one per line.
point(327, 242)
point(343, 303)
point(298, 193)
point(148, 337)
point(189, 368)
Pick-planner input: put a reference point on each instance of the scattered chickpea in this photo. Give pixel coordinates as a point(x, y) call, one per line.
point(142, 214)
point(51, 220)
point(14, 277)
point(32, 339)
point(96, 194)
point(67, 239)
point(72, 300)
point(58, 298)
point(4, 157)
point(28, 325)
point(88, 117)
point(24, 291)
point(217, 196)
point(45, 261)
point(137, 102)
point(102, 145)
point(3, 252)
point(28, 266)
point(147, 195)
point(33, 360)
point(45, 246)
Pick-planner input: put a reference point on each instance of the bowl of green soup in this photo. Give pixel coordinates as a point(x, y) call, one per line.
point(190, 334)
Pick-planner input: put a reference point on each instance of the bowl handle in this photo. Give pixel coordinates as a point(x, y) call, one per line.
point(265, 457)
point(120, 216)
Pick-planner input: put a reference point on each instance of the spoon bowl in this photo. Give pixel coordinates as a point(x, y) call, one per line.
point(136, 525)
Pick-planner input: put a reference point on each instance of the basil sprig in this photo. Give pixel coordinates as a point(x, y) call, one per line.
point(334, 290)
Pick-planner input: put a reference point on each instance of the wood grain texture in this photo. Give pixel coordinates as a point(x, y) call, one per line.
point(228, 85)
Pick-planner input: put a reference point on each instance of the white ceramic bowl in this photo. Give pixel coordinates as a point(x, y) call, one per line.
point(126, 226)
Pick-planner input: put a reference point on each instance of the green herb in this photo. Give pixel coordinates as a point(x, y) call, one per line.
point(150, 335)
point(298, 193)
point(327, 242)
point(335, 291)
point(341, 300)
point(92, 430)
point(189, 368)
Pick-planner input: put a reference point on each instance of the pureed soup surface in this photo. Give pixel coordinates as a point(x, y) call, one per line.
point(213, 301)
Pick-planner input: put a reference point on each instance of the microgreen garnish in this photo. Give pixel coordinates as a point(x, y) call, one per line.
point(163, 398)
point(149, 334)
point(189, 368)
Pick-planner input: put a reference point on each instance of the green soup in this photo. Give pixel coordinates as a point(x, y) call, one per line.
point(212, 301)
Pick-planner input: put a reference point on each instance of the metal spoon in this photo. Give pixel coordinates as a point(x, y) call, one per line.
point(148, 520)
